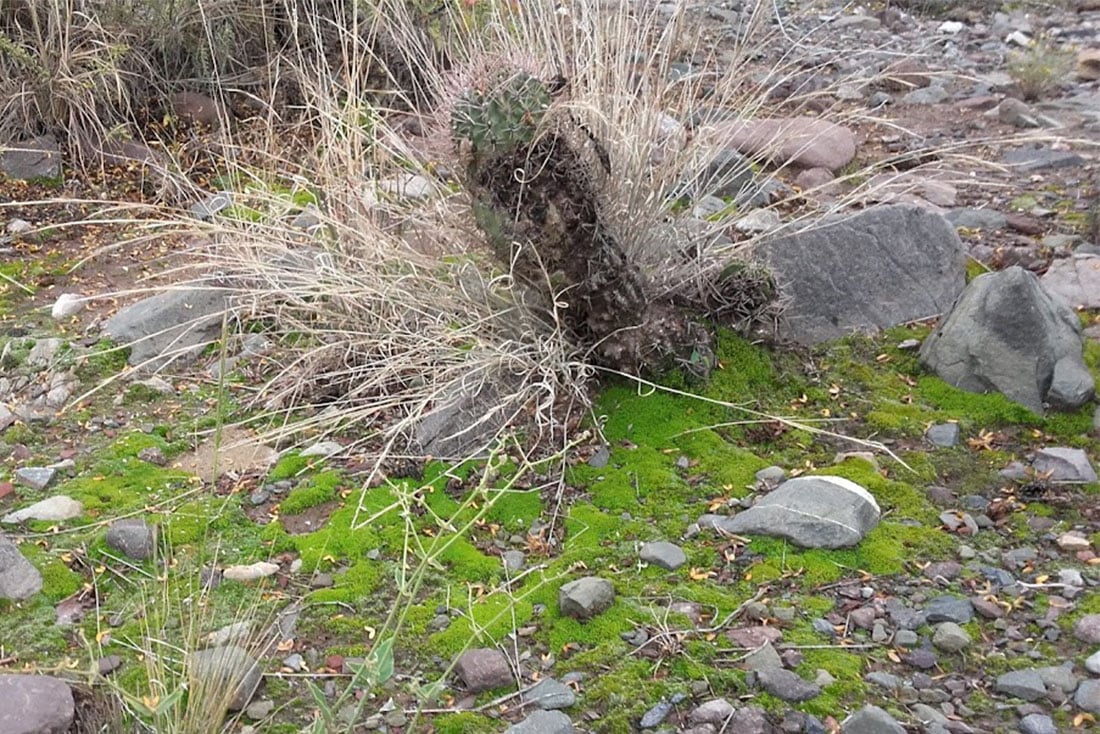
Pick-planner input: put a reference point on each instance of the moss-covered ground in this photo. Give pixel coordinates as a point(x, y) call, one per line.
point(419, 560)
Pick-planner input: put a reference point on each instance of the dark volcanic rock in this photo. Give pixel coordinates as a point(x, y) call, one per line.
point(882, 267)
point(1006, 334)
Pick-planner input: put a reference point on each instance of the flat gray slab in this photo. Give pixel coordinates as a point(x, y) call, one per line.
point(176, 324)
point(882, 267)
point(38, 158)
point(1029, 159)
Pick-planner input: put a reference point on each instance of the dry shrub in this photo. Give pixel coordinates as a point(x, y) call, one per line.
point(398, 327)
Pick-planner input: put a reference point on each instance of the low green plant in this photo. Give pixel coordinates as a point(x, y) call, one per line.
point(1039, 69)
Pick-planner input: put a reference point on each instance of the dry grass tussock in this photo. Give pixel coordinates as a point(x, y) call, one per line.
point(409, 334)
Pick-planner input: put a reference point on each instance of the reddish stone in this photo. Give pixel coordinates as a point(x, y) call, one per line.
point(1023, 223)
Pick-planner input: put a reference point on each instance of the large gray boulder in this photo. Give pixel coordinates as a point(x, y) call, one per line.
point(882, 267)
point(176, 324)
point(35, 704)
point(811, 512)
point(1007, 334)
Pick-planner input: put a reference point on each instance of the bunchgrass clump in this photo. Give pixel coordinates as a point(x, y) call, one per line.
point(1039, 69)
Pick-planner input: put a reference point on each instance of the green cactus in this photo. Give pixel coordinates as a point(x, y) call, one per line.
point(504, 117)
point(535, 195)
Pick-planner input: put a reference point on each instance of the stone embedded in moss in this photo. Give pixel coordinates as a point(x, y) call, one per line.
point(586, 597)
point(483, 668)
point(19, 579)
point(133, 537)
point(663, 554)
point(812, 512)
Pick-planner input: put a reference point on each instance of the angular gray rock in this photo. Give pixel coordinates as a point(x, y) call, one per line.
point(971, 218)
point(549, 693)
point(483, 668)
point(865, 272)
point(1070, 386)
point(714, 712)
point(7, 418)
point(175, 324)
point(950, 637)
point(1026, 684)
point(228, 668)
point(749, 720)
point(1076, 280)
point(1061, 464)
point(464, 418)
point(44, 352)
point(944, 435)
point(1037, 724)
point(763, 658)
point(543, 722)
point(35, 704)
point(19, 579)
point(585, 597)
point(1061, 677)
point(787, 685)
point(949, 608)
point(871, 720)
point(1030, 159)
point(35, 477)
point(663, 554)
point(811, 512)
point(38, 158)
point(1087, 696)
point(1006, 334)
point(132, 537)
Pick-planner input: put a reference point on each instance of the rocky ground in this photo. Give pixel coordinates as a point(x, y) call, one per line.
point(947, 579)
